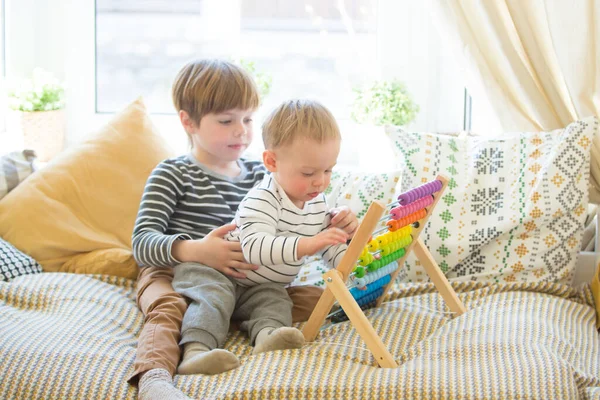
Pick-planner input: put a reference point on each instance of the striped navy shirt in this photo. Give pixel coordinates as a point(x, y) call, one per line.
point(185, 200)
point(269, 227)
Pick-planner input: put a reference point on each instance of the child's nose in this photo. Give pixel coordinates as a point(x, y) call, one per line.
point(318, 182)
point(240, 129)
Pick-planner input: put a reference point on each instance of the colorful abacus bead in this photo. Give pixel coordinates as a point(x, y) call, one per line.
point(405, 241)
point(382, 240)
point(374, 266)
point(370, 288)
point(373, 245)
point(364, 252)
point(359, 272)
point(373, 276)
point(366, 260)
point(392, 225)
point(414, 217)
point(403, 211)
point(420, 191)
point(385, 250)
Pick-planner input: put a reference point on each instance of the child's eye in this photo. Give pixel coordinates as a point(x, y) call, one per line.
point(248, 120)
point(328, 171)
point(225, 122)
point(307, 174)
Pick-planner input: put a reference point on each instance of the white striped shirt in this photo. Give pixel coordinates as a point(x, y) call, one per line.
point(185, 200)
point(269, 227)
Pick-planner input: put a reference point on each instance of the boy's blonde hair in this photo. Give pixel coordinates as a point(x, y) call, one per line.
point(212, 86)
point(299, 118)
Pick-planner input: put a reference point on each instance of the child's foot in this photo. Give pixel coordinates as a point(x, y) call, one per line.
point(270, 339)
point(157, 384)
point(199, 359)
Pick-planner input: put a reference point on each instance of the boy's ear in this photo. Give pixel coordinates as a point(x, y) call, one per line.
point(187, 122)
point(270, 160)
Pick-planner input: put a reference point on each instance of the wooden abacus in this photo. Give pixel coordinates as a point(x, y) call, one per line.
point(379, 260)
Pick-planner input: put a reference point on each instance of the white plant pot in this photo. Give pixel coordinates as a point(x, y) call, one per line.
point(42, 131)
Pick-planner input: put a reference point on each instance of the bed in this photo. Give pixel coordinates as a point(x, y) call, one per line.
point(68, 336)
point(528, 332)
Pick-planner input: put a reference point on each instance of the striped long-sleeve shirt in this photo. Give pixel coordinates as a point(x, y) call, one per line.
point(269, 227)
point(185, 200)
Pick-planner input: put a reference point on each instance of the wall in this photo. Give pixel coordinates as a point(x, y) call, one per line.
point(58, 35)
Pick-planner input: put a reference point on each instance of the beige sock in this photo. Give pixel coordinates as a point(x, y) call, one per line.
point(269, 339)
point(157, 384)
point(199, 359)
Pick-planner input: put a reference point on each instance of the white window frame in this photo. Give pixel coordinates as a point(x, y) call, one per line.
point(2, 38)
point(71, 26)
point(2, 65)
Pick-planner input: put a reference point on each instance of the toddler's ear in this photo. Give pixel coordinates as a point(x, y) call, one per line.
point(270, 160)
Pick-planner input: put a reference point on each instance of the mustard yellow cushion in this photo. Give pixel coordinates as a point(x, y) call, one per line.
point(77, 214)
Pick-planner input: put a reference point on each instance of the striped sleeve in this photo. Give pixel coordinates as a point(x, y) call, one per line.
point(151, 246)
point(258, 217)
point(332, 255)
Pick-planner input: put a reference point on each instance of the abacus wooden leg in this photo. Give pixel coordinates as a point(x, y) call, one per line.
point(359, 321)
point(438, 278)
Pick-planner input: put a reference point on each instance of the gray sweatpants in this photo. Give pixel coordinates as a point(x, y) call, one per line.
point(215, 299)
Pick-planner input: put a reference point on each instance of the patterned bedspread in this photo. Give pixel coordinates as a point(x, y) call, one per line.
point(65, 336)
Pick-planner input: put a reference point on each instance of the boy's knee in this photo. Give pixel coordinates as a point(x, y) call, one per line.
point(171, 303)
point(191, 278)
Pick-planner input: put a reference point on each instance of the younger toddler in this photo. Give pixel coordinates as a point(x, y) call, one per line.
point(279, 222)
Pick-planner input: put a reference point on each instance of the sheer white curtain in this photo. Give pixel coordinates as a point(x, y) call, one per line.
point(538, 60)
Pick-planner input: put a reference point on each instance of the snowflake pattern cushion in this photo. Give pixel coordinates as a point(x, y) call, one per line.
point(514, 208)
point(355, 190)
point(13, 263)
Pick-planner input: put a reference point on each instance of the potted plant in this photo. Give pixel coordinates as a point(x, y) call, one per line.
point(378, 108)
point(262, 79)
point(38, 114)
point(383, 104)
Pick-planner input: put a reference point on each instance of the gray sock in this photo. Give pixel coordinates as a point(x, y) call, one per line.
point(199, 359)
point(269, 339)
point(157, 384)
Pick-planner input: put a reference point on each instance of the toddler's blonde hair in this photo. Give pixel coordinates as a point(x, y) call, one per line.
point(299, 118)
point(213, 86)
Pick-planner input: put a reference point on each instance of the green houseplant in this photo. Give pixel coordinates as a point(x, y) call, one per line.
point(384, 103)
point(37, 114)
point(42, 92)
point(262, 79)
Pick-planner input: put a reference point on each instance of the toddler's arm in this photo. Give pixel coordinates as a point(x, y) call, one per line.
point(333, 254)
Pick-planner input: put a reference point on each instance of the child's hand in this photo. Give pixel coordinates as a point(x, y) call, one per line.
point(312, 245)
point(343, 218)
point(215, 252)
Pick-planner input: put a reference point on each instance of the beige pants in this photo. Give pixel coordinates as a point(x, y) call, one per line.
point(163, 308)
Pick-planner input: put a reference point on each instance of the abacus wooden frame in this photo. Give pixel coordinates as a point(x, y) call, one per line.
point(336, 289)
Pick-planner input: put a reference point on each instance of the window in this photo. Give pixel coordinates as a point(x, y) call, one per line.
point(2, 35)
point(316, 48)
point(2, 67)
point(320, 49)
